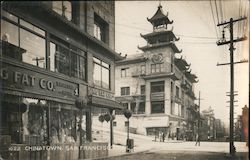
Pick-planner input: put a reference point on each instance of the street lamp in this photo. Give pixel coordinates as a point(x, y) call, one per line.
point(127, 113)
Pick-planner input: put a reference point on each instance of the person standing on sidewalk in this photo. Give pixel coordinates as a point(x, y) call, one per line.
point(197, 138)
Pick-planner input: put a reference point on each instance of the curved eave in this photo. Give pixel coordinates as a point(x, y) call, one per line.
point(171, 44)
point(191, 77)
point(160, 33)
point(182, 64)
point(161, 75)
point(131, 61)
point(158, 16)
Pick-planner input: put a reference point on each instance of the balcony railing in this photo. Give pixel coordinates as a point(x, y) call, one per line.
point(138, 73)
point(177, 99)
point(157, 96)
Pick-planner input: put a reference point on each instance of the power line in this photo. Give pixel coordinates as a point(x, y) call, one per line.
point(221, 10)
point(213, 19)
point(217, 12)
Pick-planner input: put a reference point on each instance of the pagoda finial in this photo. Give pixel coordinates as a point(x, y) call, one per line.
point(160, 6)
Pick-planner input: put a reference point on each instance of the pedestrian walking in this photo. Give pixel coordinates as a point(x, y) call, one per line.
point(163, 136)
point(197, 138)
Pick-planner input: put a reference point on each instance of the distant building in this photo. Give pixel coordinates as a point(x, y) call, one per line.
point(241, 125)
point(238, 129)
point(211, 129)
point(157, 85)
point(245, 123)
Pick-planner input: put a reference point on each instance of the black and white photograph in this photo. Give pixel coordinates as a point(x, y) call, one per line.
point(124, 80)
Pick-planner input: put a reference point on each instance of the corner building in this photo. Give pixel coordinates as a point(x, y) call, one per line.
point(157, 85)
point(57, 70)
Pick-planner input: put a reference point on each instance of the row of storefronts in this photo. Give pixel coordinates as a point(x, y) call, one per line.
point(54, 73)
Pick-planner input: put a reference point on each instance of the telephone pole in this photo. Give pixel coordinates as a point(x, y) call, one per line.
point(231, 48)
point(199, 114)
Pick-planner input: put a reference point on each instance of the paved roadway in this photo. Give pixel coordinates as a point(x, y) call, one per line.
point(146, 148)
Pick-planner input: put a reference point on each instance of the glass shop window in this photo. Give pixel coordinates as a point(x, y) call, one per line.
point(101, 73)
point(63, 8)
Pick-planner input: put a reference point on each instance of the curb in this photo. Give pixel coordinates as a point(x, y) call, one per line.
point(121, 155)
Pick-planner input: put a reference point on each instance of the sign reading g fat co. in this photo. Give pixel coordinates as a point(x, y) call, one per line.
point(21, 79)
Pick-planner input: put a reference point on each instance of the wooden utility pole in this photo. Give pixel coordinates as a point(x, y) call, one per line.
point(231, 42)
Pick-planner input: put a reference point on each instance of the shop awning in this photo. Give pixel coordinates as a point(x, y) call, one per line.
point(105, 103)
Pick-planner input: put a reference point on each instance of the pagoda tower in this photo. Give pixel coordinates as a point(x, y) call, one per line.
point(161, 35)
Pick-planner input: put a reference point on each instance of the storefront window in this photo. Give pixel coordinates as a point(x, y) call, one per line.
point(105, 77)
point(101, 73)
point(97, 75)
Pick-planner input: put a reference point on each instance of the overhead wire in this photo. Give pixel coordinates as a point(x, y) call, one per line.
point(140, 28)
point(217, 14)
point(214, 19)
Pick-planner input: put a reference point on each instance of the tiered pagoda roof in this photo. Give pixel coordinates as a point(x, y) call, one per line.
point(160, 36)
point(159, 18)
point(163, 44)
point(190, 76)
point(182, 64)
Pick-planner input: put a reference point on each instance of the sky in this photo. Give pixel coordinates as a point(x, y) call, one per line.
point(196, 27)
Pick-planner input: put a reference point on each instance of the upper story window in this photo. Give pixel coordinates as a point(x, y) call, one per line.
point(22, 40)
point(125, 91)
point(143, 89)
point(156, 68)
point(101, 73)
point(140, 109)
point(100, 29)
point(157, 86)
point(67, 59)
point(124, 72)
point(143, 69)
point(177, 94)
point(64, 8)
point(27, 43)
point(157, 107)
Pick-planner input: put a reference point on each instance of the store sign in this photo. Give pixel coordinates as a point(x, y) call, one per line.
point(21, 79)
point(100, 93)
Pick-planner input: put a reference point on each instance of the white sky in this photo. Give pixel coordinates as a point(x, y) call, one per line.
point(193, 23)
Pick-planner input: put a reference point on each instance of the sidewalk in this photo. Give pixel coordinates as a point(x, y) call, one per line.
point(120, 150)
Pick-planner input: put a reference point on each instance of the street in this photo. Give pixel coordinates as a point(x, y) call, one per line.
point(181, 155)
point(146, 148)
